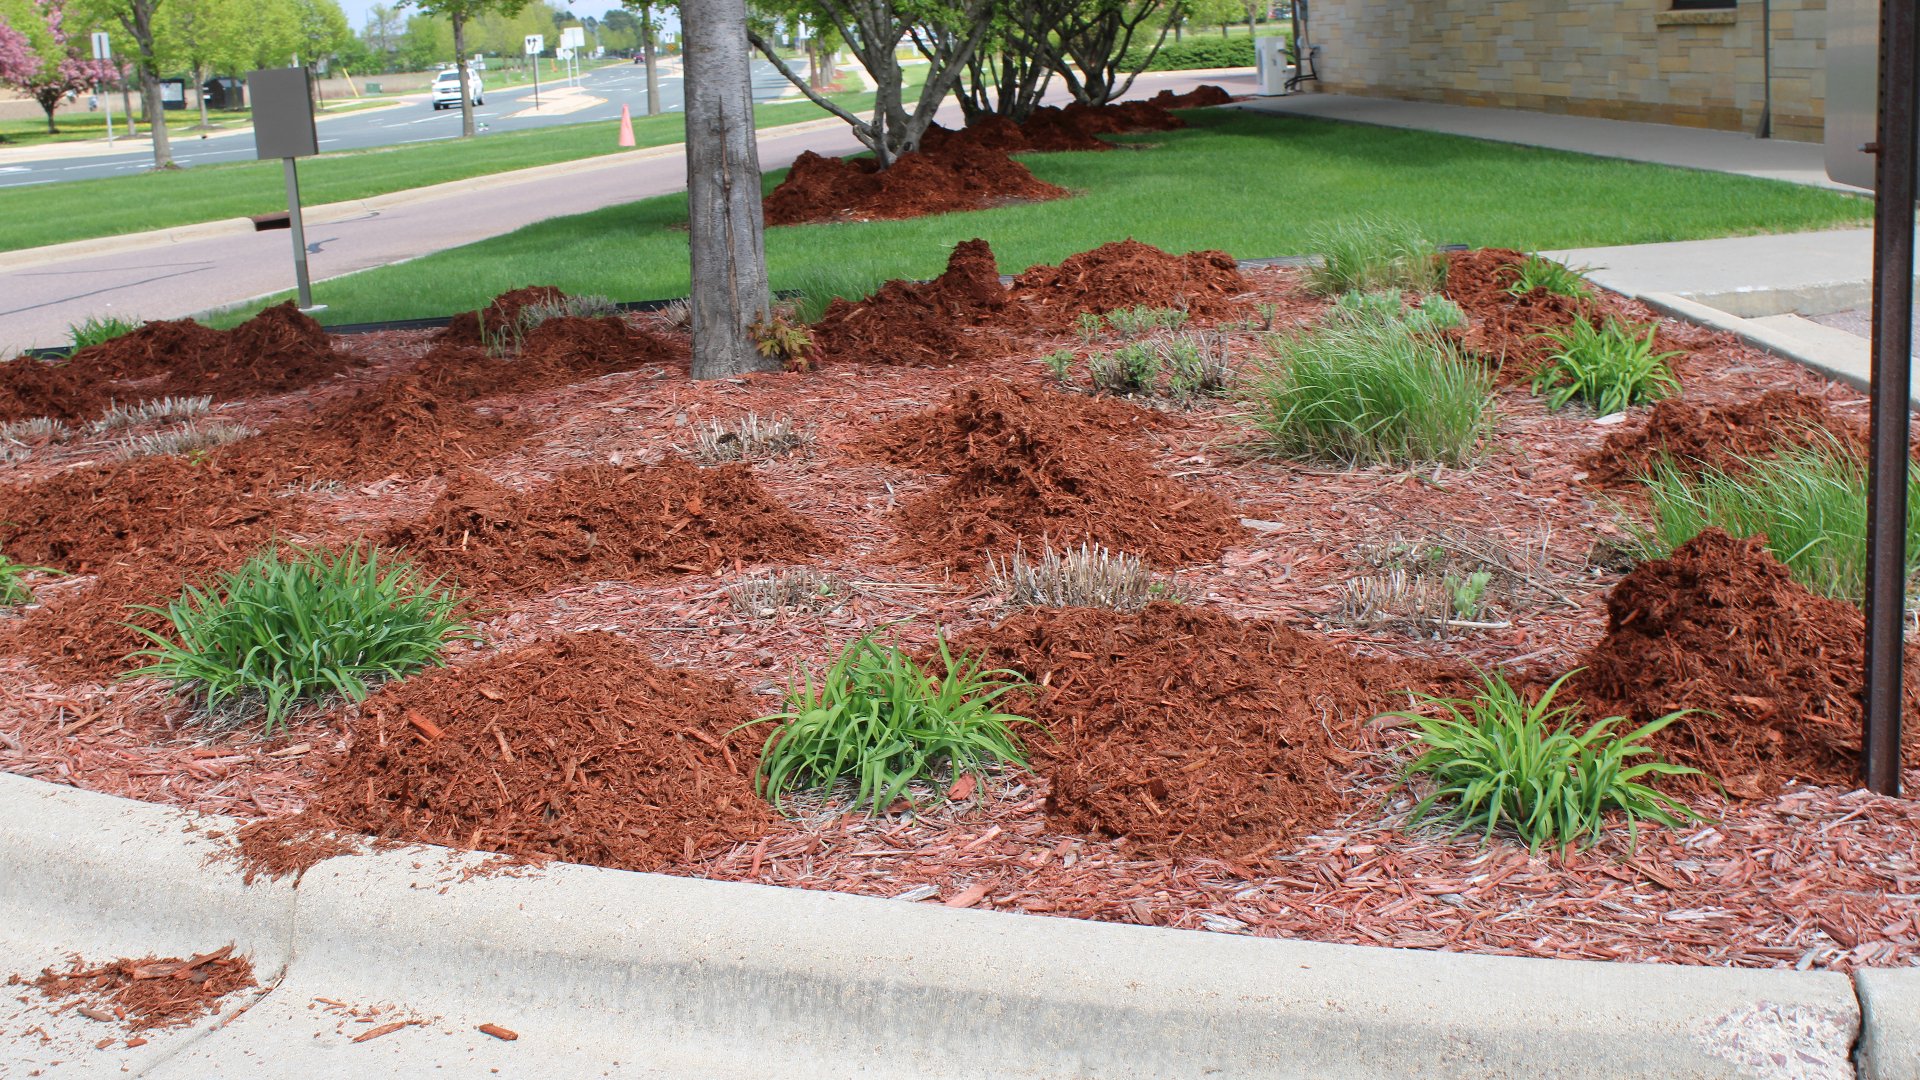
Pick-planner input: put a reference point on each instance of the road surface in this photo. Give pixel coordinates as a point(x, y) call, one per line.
point(415, 121)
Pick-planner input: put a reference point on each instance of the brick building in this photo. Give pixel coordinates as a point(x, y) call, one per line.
point(1696, 63)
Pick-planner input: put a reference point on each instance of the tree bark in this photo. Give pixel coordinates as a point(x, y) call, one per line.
point(727, 232)
point(646, 50)
point(139, 24)
point(460, 62)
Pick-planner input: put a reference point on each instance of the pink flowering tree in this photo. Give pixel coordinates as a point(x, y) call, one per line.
point(42, 60)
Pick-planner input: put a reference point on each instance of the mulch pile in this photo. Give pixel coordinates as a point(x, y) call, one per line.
point(578, 749)
point(1185, 730)
point(1043, 468)
point(1196, 98)
point(556, 353)
point(276, 351)
point(150, 992)
point(1504, 329)
point(1128, 273)
point(601, 523)
point(908, 322)
point(1076, 127)
point(84, 519)
point(920, 182)
point(397, 428)
point(1722, 436)
point(502, 313)
point(1776, 670)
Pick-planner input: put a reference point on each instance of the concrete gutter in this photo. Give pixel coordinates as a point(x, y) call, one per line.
point(26, 258)
point(605, 972)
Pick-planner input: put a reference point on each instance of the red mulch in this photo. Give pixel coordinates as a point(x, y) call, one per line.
point(274, 352)
point(920, 182)
point(1501, 329)
point(151, 992)
point(602, 522)
point(1723, 436)
point(501, 314)
point(83, 632)
point(1043, 468)
point(1127, 273)
point(1196, 98)
point(84, 519)
point(577, 748)
point(1119, 118)
point(907, 322)
point(1776, 671)
point(1185, 731)
point(555, 353)
point(396, 428)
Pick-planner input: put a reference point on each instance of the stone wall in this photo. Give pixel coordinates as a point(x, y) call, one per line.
point(1628, 60)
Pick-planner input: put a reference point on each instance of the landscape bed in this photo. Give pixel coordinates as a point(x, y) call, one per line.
point(1223, 755)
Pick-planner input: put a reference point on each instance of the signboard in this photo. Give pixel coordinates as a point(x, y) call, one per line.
point(573, 37)
point(282, 113)
point(102, 48)
point(1853, 89)
point(563, 53)
point(536, 44)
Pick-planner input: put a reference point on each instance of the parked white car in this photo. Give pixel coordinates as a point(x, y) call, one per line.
point(446, 89)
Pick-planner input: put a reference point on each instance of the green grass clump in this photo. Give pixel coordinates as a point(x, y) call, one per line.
point(97, 329)
point(1557, 278)
point(811, 292)
point(1610, 367)
point(1809, 502)
point(294, 625)
point(13, 581)
point(882, 721)
point(1501, 759)
point(1133, 322)
point(1370, 254)
point(1371, 395)
point(1432, 315)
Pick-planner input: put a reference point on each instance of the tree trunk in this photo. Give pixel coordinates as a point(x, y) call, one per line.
point(460, 62)
point(126, 100)
point(202, 74)
point(49, 104)
point(729, 264)
point(647, 51)
point(156, 117)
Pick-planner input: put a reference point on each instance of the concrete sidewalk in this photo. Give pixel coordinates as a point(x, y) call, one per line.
point(1659, 144)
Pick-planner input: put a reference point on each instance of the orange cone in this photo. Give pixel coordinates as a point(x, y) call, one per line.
point(626, 126)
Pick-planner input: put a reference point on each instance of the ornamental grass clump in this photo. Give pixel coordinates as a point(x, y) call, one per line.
point(1371, 394)
point(1611, 366)
point(1373, 254)
point(294, 625)
point(1501, 759)
point(881, 721)
point(1810, 503)
point(14, 589)
point(98, 330)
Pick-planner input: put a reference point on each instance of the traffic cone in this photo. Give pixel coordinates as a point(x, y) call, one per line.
point(626, 126)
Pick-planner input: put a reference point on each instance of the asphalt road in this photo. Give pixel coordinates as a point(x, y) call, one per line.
point(414, 122)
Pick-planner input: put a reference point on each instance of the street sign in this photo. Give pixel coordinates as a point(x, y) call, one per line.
point(536, 44)
point(282, 100)
point(102, 48)
point(563, 53)
point(573, 37)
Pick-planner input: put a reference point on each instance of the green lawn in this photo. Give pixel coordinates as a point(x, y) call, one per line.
point(1251, 184)
point(83, 127)
point(55, 213)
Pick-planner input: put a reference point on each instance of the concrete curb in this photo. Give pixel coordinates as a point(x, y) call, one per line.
point(1890, 1030)
point(599, 969)
point(321, 214)
point(1849, 365)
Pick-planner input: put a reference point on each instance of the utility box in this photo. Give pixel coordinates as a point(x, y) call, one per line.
point(282, 113)
point(224, 93)
point(1270, 59)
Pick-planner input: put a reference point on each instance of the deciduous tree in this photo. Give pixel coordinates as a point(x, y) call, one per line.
point(459, 13)
point(727, 232)
point(139, 21)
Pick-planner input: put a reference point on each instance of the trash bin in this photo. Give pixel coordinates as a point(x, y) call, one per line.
point(225, 93)
point(173, 93)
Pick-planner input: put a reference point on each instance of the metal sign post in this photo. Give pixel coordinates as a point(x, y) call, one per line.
point(572, 40)
point(1872, 111)
point(536, 44)
point(283, 128)
point(103, 50)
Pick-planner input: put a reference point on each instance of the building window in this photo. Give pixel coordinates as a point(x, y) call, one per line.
point(1703, 5)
